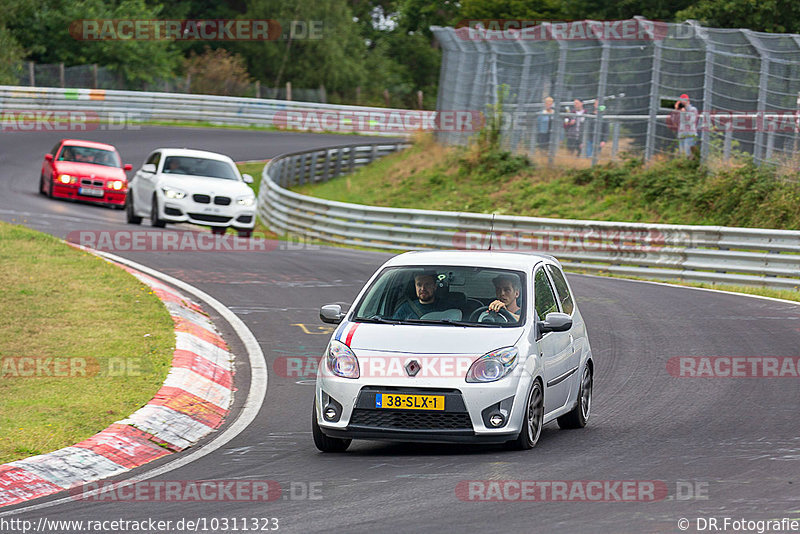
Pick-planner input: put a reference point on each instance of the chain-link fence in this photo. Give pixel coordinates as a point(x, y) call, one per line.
point(98, 77)
point(744, 85)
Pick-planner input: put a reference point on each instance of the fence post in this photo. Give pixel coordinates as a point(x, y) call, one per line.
point(258, 89)
point(655, 101)
point(522, 100)
point(763, 81)
point(708, 79)
point(557, 96)
point(288, 91)
point(61, 75)
point(32, 73)
point(95, 82)
point(726, 147)
point(601, 91)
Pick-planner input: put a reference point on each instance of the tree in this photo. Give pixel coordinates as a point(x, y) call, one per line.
point(42, 28)
point(775, 16)
point(218, 72)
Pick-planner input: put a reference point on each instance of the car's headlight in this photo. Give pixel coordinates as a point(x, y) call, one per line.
point(116, 185)
point(493, 365)
point(173, 193)
point(246, 201)
point(67, 179)
point(342, 361)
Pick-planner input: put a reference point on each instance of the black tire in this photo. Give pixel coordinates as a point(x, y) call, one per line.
point(130, 215)
point(326, 443)
point(219, 230)
point(579, 415)
point(533, 420)
point(245, 233)
point(154, 220)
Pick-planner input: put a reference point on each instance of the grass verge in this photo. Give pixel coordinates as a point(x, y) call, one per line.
point(82, 344)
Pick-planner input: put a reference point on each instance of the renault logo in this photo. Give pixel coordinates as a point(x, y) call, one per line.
point(413, 367)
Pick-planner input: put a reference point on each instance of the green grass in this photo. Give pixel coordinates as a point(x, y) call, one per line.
point(72, 307)
point(675, 191)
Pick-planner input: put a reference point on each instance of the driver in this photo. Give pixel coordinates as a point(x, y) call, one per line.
point(426, 302)
point(506, 288)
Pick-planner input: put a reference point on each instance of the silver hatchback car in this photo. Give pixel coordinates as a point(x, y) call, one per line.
point(455, 346)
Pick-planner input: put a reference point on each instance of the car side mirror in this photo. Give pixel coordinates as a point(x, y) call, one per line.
point(247, 178)
point(48, 157)
point(149, 168)
point(331, 313)
point(127, 167)
point(555, 322)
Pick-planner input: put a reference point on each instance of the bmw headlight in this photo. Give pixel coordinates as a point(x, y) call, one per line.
point(173, 193)
point(67, 179)
point(341, 360)
point(493, 365)
point(246, 201)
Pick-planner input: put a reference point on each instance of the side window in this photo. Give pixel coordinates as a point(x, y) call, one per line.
point(562, 289)
point(55, 149)
point(545, 301)
point(154, 158)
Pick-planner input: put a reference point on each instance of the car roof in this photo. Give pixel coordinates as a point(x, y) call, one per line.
point(87, 144)
point(166, 152)
point(472, 258)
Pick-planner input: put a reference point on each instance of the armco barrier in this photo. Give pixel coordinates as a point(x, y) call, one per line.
point(718, 254)
point(122, 107)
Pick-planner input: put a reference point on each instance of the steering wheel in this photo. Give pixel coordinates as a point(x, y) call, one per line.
point(483, 315)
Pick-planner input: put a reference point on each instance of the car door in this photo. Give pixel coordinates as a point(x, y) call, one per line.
point(577, 333)
point(145, 184)
point(555, 348)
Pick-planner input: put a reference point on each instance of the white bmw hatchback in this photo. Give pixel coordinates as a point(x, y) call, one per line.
point(181, 185)
point(455, 346)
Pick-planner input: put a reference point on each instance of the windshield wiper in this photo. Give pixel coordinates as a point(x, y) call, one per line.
point(378, 319)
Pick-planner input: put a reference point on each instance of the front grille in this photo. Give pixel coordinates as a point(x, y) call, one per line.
point(222, 201)
point(87, 181)
point(410, 420)
point(202, 199)
point(209, 218)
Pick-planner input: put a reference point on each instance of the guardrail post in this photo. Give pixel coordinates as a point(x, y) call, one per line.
point(352, 162)
point(338, 155)
point(373, 153)
point(312, 174)
point(326, 171)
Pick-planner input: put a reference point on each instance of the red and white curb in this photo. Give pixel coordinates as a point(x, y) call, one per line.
point(192, 402)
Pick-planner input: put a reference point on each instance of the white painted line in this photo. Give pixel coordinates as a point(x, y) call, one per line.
point(252, 404)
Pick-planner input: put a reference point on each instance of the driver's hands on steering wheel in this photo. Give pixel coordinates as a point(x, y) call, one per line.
point(498, 305)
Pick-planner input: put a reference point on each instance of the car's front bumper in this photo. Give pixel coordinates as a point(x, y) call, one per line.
point(73, 191)
point(187, 210)
point(463, 420)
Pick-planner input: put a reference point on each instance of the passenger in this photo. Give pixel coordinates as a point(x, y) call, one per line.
point(426, 302)
point(507, 290)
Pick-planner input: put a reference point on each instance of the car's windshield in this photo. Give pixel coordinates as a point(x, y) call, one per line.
point(83, 154)
point(199, 167)
point(445, 295)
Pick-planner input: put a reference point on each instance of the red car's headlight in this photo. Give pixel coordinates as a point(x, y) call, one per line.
point(67, 179)
point(117, 185)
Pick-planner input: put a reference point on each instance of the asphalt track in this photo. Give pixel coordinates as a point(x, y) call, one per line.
point(733, 441)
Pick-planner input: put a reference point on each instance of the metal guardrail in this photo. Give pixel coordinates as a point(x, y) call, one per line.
point(718, 254)
point(125, 107)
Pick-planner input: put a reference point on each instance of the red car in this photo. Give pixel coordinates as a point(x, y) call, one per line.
point(85, 170)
